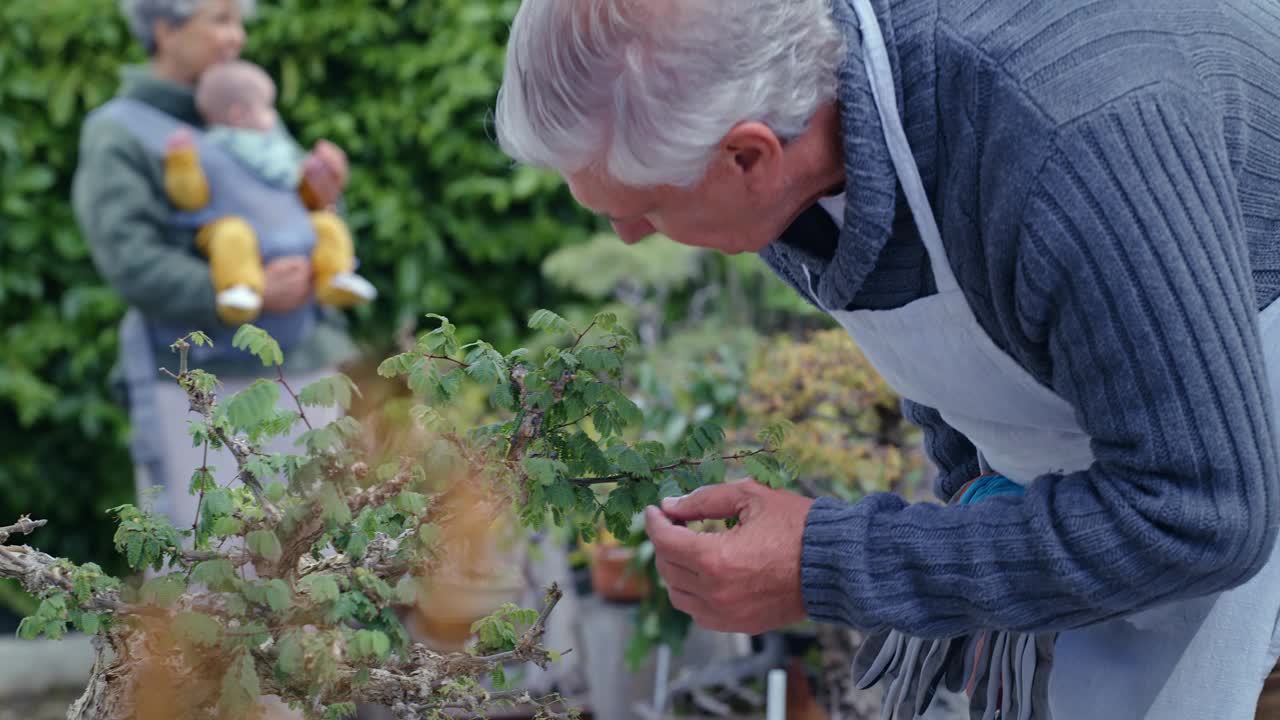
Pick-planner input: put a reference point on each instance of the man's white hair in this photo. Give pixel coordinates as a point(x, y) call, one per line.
point(143, 14)
point(645, 90)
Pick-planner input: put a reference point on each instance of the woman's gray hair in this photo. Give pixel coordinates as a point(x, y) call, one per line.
point(143, 14)
point(646, 89)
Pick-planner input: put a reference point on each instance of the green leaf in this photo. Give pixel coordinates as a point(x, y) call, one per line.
point(600, 360)
point(619, 509)
point(765, 470)
point(443, 340)
point(276, 492)
point(775, 434)
point(278, 595)
point(498, 677)
point(428, 418)
point(406, 590)
point(705, 438)
point(646, 494)
point(291, 657)
point(485, 365)
point(202, 481)
point(227, 526)
point(357, 545)
point(265, 544)
point(323, 587)
point(628, 411)
point(253, 405)
point(398, 365)
point(670, 488)
point(240, 689)
point(163, 591)
point(606, 321)
point(543, 470)
point(411, 503)
point(333, 509)
point(218, 502)
point(333, 391)
point(340, 711)
point(548, 321)
point(561, 495)
point(30, 628)
point(371, 645)
point(633, 463)
point(712, 471)
point(257, 342)
point(88, 623)
point(503, 396)
point(197, 628)
point(320, 439)
point(218, 575)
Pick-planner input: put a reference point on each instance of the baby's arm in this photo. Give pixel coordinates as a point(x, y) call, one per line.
point(184, 179)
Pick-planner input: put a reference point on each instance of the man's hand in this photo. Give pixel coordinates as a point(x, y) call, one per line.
point(326, 172)
point(744, 580)
point(288, 284)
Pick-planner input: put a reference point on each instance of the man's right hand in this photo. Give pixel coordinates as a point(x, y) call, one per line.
point(288, 285)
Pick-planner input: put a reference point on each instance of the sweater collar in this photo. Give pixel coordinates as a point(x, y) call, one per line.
point(139, 83)
point(871, 183)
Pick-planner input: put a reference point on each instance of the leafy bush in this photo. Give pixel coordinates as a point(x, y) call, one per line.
point(848, 436)
point(337, 540)
point(440, 218)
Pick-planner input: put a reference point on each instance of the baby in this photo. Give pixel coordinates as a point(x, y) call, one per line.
point(237, 102)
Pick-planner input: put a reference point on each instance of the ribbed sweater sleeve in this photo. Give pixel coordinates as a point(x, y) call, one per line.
point(1133, 273)
point(951, 453)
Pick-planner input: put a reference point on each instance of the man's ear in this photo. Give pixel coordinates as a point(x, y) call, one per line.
point(754, 148)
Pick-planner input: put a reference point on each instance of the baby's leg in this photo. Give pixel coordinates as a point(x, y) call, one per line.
point(333, 261)
point(184, 180)
point(235, 263)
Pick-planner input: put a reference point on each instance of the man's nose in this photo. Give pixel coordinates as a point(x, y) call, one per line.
point(633, 231)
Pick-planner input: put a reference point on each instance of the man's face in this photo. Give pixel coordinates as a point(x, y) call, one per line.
point(721, 212)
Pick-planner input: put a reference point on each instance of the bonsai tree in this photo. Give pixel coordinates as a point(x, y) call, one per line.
point(289, 582)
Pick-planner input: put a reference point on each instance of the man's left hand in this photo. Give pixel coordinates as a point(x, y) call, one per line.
point(326, 171)
point(744, 580)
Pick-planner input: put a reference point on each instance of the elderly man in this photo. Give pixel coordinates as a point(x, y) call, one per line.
point(1054, 227)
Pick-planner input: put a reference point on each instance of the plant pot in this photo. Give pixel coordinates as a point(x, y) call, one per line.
point(615, 575)
point(450, 607)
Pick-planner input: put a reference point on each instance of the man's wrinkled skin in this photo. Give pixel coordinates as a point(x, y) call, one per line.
point(746, 579)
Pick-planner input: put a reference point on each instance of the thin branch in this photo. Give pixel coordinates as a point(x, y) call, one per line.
point(37, 572)
point(301, 413)
point(241, 451)
point(582, 335)
point(192, 557)
point(588, 482)
point(585, 415)
point(204, 467)
point(459, 363)
point(24, 526)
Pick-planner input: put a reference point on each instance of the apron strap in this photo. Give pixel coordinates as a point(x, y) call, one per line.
point(880, 73)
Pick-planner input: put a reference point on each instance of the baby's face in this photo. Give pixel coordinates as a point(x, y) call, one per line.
point(256, 116)
point(257, 110)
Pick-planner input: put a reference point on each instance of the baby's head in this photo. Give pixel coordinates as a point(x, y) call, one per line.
point(237, 94)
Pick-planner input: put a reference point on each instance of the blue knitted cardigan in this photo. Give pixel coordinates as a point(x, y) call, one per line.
point(1106, 174)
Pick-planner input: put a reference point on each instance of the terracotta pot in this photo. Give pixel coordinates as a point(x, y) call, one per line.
point(614, 576)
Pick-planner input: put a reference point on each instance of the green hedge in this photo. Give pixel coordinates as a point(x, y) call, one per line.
point(442, 223)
